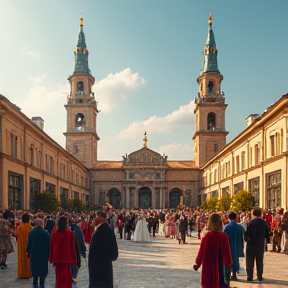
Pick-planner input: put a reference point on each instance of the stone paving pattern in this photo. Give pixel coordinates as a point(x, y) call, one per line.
point(162, 263)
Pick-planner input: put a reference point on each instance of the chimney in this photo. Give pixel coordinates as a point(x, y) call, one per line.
point(38, 121)
point(251, 118)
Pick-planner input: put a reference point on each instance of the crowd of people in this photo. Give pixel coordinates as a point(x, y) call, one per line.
point(61, 238)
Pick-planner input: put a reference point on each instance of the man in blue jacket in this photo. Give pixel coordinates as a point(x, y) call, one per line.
point(38, 252)
point(235, 233)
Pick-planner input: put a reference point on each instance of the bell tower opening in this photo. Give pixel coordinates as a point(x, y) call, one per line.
point(210, 87)
point(211, 121)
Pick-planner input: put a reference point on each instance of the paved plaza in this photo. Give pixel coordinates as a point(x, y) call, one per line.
point(162, 263)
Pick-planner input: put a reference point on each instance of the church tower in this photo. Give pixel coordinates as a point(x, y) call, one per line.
point(210, 135)
point(81, 107)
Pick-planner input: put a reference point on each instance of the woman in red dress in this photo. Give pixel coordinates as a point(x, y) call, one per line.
point(214, 255)
point(62, 251)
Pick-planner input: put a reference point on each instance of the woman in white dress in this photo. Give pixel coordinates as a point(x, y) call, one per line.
point(141, 233)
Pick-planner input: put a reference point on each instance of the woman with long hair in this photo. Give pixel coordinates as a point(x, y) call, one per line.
point(214, 255)
point(62, 251)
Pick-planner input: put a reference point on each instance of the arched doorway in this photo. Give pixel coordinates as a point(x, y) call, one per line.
point(145, 198)
point(114, 196)
point(174, 197)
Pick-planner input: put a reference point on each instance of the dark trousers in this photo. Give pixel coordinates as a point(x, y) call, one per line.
point(35, 282)
point(253, 253)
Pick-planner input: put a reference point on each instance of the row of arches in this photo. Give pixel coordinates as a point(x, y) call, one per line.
point(144, 197)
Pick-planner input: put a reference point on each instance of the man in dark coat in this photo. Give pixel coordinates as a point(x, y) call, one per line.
point(38, 252)
point(257, 231)
point(235, 233)
point(50, 224)
point(103, 250)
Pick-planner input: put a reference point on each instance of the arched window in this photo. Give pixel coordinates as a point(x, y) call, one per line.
point(210, 87)
point(79, 121)
point(211, 121)
point(80, 88)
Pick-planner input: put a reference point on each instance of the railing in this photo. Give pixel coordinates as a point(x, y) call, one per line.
point(210, 98)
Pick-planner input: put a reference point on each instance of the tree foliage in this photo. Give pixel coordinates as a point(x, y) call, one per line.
point(210, 204)
point(243, 201)
point(225, 203)
point(46, 202)
point(73, 205)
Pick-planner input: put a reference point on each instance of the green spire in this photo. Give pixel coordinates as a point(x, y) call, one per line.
point(210, 52)
point(81, 53)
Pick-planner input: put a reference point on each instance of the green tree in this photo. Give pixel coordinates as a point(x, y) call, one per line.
point(210, 205)
point(66, 204)
point(46, 202)
point(243, 201)
point(225, 203)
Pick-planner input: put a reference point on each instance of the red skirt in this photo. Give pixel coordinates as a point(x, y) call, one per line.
point(63, 275)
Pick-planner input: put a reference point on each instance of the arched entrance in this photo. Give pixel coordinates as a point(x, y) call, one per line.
point(114, 196)
point(174, 197)
point(145, 198)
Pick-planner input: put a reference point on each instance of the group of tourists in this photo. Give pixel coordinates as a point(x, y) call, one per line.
point(222, 243)
point(62, 238)
point(58, 239)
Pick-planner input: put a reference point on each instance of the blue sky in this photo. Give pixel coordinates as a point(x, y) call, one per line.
point(146, 57)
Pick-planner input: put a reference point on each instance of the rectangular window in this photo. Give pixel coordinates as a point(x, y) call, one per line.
point(131, 175)
point(214, 193)
point(237, 187)
point(51, 165)
point(34, 190)
point(237, 164)
point(273, 183)
point(225, 191)
point(273, 146)
point(50, 187)
point(15, 191)
point(243, 160)
point(253, 187)
point(215, 147)
point(76, 195)
point(46, 162)
point(13, 143)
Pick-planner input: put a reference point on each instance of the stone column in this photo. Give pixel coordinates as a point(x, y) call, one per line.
point(161, 198)
point(153, 197)
point(127, 197)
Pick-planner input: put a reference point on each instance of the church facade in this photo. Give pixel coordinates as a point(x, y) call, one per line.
point(256, 160)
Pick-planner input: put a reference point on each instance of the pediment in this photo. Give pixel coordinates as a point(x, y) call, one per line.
point(145, 156)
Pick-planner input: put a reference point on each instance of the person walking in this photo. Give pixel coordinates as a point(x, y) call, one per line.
point(62, 253)
point(257, 231)
point(235, 233)
point(6, 246)
point(103, 250)
point(38, 252)
point(214, 255)
point(50, 224)
point(23, 262)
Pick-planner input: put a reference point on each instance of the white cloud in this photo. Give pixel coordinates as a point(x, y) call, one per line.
point(178, 151)
point(116, 88)
point(37, 79)
point(181, 119)
point(47, 103)
point(30, 53)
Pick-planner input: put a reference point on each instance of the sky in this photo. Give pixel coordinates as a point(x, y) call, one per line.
point(146, 56)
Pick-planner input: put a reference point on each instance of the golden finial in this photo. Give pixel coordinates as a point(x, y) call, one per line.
point(145, 140)
point(81, 21)
point(210, 19)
